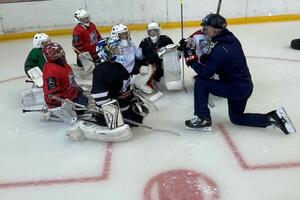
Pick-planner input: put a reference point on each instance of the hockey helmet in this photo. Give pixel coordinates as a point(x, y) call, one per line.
point(39, 40)
point(54, 52)
point(120, 32)
point(153, 30)
point(215, 21)
point(82, 17)
point(107, 49)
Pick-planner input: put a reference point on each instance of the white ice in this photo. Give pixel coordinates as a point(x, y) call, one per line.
point(229, 163)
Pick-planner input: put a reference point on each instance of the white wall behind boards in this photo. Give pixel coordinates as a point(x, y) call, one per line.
point(57, 14)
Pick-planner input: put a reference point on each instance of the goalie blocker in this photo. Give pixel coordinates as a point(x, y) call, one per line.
point(115, 131)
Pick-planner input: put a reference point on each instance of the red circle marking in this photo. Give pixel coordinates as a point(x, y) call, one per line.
point(181, 185)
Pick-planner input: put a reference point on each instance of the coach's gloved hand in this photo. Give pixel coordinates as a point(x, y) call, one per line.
point(182, 44)
point(190, 56)
point(203, 58)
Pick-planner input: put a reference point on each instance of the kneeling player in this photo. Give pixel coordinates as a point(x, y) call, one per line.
point(33, 68)
point(59, 82)
point(161, 55)
point(111, 90)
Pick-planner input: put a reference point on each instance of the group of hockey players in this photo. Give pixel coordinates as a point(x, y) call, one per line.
point(121, 73)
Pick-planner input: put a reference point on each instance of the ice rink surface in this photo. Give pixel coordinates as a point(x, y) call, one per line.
point(229, 163)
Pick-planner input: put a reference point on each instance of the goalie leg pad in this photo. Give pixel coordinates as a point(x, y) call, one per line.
point(98, 133)
point(33, 96)
point(141, 79)
point(74, 132)
point(172, 70)
point(112, 114)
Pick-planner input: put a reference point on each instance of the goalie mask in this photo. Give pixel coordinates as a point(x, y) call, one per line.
point(54, 53)
point(120, 32)
point(108, 49)
point(39, 40)
point(153, 30)
point(82, 17)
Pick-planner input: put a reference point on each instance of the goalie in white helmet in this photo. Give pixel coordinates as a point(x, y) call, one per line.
point(150, 47)
point(35, 57)
point(132, 58)
point(85, 35)
point(33, 68)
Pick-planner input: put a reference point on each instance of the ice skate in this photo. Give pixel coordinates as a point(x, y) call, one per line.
point(280, 119)
point(198, 124)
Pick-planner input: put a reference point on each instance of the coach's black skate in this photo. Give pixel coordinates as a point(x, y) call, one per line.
point(198, 124)
point(280, 119)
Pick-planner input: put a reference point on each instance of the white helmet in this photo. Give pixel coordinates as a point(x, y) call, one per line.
point(120, 32)
point(38, 39)
point(153, 30)
point(82, 17)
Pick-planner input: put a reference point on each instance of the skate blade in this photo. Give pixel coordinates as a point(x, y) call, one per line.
point(288, 125)
point(156, 96)
point(204, 129)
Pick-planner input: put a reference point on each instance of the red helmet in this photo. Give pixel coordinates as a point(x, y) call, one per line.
point(53, 52)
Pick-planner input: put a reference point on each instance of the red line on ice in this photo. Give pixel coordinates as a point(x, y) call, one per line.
point(243, 163)
point(47, 182)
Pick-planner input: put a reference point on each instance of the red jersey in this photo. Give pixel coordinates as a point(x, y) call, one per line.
point(59, 81)
point(199, 32)
point(86, 38)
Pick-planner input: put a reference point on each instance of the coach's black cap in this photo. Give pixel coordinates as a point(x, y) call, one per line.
point(215, 21)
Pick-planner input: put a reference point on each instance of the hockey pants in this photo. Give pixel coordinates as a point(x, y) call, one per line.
point(237, 98)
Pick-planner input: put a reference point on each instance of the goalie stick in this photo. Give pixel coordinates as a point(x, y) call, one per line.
point(219, 7)
point(51, 96)
point(182, 57)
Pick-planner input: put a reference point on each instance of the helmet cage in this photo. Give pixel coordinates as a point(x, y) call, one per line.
point(54, 52)
point(40, 39)
point(82, 17)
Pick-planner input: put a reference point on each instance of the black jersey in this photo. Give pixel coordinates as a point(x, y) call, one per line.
point(150, 49)
point(111, 81)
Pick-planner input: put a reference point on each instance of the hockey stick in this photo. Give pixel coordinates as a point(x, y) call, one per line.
point(37, 110)
point(79, 52)
point(147, 100)
point(29, 81)
point(137, 93)
point(182, 60)
point(219, 7)
point(125, 120)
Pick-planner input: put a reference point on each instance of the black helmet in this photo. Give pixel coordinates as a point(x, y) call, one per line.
point(215, 21)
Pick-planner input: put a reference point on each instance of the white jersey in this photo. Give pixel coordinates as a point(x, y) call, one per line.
point(129, 54)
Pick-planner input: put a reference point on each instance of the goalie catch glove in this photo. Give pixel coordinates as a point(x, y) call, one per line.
point(139, 107)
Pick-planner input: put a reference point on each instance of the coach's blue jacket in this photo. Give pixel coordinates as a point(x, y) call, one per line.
point(226, 59)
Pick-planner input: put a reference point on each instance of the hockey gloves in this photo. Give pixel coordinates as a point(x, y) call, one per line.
point(190, 56)
point(182, 45)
